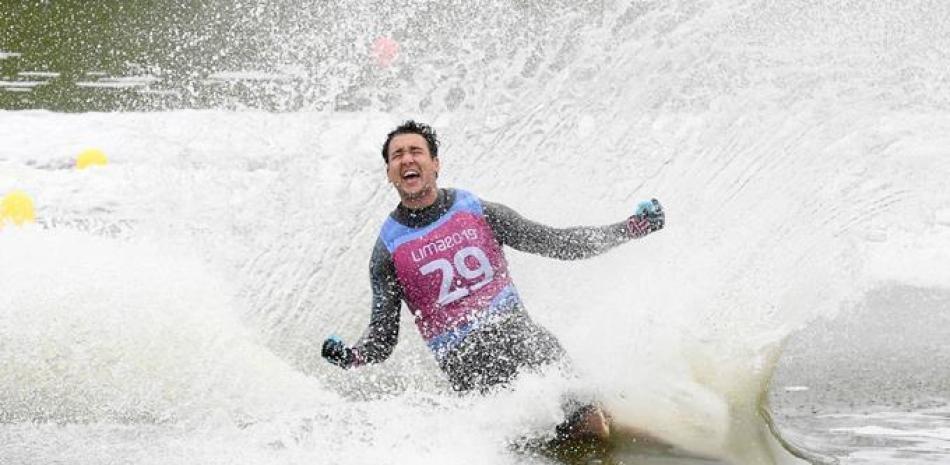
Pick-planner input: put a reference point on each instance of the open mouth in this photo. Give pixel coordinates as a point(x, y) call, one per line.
point(410, 175)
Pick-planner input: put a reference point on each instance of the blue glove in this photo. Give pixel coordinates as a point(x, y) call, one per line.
point(336, 352)
point(649, 217)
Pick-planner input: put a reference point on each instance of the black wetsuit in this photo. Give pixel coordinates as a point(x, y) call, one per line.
point(502, 345)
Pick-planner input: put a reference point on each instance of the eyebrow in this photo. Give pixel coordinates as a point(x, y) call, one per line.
point(410, 148)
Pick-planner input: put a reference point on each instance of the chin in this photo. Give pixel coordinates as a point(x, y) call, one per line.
point(409, 194)
point(414, 195)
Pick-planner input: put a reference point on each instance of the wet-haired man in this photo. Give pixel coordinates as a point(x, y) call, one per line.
point(441, 252)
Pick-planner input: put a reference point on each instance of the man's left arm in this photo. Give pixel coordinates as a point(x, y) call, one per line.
point(570, 243)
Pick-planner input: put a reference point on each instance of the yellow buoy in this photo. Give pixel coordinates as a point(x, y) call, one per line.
point(91, 157)
point(16, 207)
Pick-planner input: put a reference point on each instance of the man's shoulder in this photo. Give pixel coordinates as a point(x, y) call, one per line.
point(464, 199)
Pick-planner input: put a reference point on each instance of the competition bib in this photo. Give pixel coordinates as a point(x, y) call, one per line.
point(452, 272)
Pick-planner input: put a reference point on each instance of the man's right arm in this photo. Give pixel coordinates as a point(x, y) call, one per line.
point(381, 336)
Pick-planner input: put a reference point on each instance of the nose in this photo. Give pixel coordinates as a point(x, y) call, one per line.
point(409, 158)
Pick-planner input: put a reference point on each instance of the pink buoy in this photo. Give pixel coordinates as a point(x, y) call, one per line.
point(384, 51)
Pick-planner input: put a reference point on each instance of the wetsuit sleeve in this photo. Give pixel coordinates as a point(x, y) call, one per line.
point(382, 334)
point(573, 243)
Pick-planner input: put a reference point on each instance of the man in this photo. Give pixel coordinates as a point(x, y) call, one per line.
point(440, 251)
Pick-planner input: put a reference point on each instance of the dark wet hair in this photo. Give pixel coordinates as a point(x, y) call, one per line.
point(412, 127)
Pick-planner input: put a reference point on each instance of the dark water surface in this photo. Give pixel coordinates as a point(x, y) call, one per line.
point(67, 55)
point(871, 385)
point(70, 55)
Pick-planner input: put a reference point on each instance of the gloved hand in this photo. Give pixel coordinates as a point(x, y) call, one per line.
point(336, 352)
point(648, 218)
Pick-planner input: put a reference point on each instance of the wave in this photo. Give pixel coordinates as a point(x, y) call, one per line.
point(794, 147)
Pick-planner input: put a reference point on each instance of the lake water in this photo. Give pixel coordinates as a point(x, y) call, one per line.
point(168, 308)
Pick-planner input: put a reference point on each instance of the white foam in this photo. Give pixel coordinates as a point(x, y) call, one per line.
point(248, 75)
point(704, 340)
point(123, 331)
point(39, 74)
point(119, 82)
point(914, 259)
point(796, 388)
point(21, 84)
point(789, 179)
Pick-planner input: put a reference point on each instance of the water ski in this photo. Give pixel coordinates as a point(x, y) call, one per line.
point(590, 435)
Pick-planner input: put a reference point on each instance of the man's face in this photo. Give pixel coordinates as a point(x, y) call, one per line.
point(411, 168)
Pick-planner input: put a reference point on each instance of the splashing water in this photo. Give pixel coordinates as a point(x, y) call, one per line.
point(168, 307)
